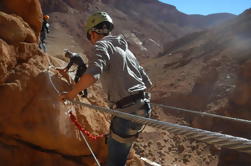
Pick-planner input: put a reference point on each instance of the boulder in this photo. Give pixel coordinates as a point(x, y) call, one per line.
point(29, 10)
point(7, 61)
point(14, 29)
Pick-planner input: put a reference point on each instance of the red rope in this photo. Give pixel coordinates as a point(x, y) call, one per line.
point(82, 129)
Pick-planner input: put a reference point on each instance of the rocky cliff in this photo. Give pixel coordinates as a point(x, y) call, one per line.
point(34, 126)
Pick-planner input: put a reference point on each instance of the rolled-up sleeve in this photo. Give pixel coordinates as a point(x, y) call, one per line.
point(99, 62)
point(145, 77)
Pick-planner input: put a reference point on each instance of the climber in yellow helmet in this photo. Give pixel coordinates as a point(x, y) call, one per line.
point(43, 33)
point(123, 78)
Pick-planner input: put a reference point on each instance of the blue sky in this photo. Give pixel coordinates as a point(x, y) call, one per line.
point(206, 7)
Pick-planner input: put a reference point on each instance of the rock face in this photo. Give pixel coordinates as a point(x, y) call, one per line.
point(29, 10)
point(210, 71)
point(15, 30)
point(34, 126)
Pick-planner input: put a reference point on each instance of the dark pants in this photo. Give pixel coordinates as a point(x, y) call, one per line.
point(80, 71)
point(117, 150)
point(42, 44)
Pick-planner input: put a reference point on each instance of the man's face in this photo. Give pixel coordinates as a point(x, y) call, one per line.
point(88, 35)
point(93, 37)
point(67, 55)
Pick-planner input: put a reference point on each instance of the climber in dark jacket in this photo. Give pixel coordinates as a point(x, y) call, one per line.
point(43, 33)
point(76, 59)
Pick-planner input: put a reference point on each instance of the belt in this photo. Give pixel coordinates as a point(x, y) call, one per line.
point(127, 140)
point(128, 100)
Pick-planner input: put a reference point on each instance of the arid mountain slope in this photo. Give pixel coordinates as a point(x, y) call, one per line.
point(164, 14)
point(146, 24)
point(209, 71)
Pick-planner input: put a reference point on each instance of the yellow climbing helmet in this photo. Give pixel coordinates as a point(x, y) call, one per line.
point(96, 19)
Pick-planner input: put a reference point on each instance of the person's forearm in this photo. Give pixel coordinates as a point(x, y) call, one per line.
point(85, 81)
point(69, 65)
point(66, 69)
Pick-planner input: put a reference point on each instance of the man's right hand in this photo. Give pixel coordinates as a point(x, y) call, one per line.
point(64, 70)
point(64, 74)
point(66, 96)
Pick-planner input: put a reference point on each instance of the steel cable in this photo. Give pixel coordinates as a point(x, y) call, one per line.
point(221, 140)
point(203, 113)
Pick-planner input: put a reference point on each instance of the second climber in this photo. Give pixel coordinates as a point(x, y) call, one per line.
point(75, 59)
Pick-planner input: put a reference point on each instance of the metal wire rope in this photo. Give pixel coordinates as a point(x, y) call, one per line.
point(221, 140)
point(203, 113)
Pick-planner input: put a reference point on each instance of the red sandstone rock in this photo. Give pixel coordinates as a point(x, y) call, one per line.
point(33, 118)
point(29, 10)
point(7, 61)
point(34, 125)
point(14, 29)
